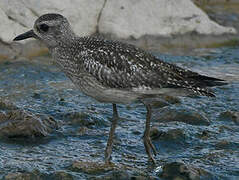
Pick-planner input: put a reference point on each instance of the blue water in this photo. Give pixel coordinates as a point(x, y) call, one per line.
point(40, 87)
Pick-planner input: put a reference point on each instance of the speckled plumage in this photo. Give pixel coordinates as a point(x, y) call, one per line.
point(115, 65)
point(114, 72)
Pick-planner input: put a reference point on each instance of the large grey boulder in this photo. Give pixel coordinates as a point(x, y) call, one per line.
point(16, 122)
point(18, 16)
point(122, 19)
point(136, 18)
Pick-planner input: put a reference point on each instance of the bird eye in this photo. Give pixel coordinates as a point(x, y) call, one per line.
point(44, 27)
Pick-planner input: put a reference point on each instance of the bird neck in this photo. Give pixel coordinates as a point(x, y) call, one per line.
point(65, 47)
point(61, 42)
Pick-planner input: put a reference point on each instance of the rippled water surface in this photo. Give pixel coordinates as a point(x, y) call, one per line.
point(40, 87)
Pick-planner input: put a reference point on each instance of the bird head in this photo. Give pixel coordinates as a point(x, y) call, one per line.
point(51, 29)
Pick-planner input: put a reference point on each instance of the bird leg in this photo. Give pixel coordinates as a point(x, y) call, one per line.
point(108, 149)
point(146, 138)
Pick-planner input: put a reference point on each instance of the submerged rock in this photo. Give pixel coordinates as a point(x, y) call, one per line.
point(170, 135)
point(230, 116)
point(61, 175)
point(23, 176)
point(121, 175)
point(164, 101)
point(181, 115)
point(16, 122)
point(181, 171)
point(92, 167)
point(102, 171)
point(205, 134)
point(226, 144)
point(37, 175)
point(84, 119)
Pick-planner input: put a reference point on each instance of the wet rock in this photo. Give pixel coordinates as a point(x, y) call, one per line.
point(36, 96)
point(164, 101)
point(225, 14)
point(170, 135)
point(62, 175)
point(223, 144)
point(5, 105)
point(155, 133)
point(23, 176)
point(78, 118)
point(172, 99)
point(16, 122)
point(180, 115)
point(225, 128)
point(181, 171)
point(121, 175)
point(83, 119)
point(204, 135)
point(92, 167)
point(230, 116)
point(214, 156)
point(84, 131)
point(102, 171)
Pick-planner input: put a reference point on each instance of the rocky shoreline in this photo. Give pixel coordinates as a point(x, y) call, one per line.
point(49, 130)
point(165, 26)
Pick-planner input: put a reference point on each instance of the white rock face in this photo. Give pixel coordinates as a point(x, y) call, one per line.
point(9, 26)
point(120, 18)
point(82, 14)
point(17, 16)
point(136, 18)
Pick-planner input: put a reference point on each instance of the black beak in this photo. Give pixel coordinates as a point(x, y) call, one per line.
point(26, 35)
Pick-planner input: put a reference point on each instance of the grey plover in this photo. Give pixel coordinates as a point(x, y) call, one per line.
point(114, 72)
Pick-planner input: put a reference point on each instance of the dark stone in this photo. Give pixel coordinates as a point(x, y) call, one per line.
point(83, 119)
point(163, 101)
point(230, 116)
point(102, 171)
point(155, 133)
point(181, 171)
point(16, 122)
point(204, 135)
point(224, 144)
point(36, 96)
point(84, 131)
point(114, 175)
point(224, 128)
point(170, 135)
point(23, 176)
point(180, 115)
point(61, 175)
point(123, 175)
point(92, 167)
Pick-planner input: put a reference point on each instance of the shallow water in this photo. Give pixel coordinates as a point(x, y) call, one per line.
point(40, 87)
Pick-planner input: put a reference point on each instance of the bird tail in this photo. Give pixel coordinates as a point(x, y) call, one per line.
point(206, 81)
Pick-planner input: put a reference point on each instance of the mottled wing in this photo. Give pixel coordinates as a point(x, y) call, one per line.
point(118, 65)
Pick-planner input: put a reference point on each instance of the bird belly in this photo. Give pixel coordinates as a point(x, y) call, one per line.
point(91, 87)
